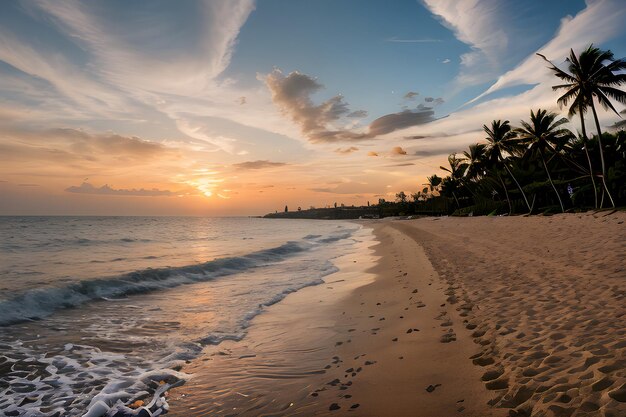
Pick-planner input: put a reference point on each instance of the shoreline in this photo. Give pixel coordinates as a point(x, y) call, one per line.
point(494, 338)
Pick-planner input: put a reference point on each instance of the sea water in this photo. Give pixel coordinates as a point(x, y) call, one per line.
point(98, 311)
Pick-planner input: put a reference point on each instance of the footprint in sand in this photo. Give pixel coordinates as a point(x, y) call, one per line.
point(431, 388)
point(448, 337)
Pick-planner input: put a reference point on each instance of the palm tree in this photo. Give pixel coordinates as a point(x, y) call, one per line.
point(501, 141)
point(401, 197)
point(544, 134)
point(456, 167)
point(590, 78)
point(474, 162)
point(434, 181)
point(456, 174)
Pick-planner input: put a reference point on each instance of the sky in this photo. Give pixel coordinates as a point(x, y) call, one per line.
point(240, 107)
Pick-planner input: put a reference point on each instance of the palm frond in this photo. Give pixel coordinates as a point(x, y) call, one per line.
point(604, 101)
point(565, 98)
point(614, 93)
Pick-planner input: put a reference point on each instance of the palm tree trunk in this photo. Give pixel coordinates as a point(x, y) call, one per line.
point(551, 183)
point(456, 199)
point(506, 193)
point(593, 181)
point(595, 116)
point(530, 209)
point(468, 188)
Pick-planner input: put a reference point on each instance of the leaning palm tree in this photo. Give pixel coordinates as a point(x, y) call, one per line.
point(500, 142)
point(474, 162)
point(591, 78)
point(542, 135)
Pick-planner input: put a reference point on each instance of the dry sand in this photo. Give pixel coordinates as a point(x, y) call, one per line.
point(485, 316)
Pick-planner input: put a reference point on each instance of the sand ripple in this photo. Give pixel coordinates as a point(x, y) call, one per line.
point(545, 299)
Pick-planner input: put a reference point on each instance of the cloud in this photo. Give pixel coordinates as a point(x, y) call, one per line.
point(258, 165)
point(605, 16)
point(87, 188)
point(358, 114)
point(372, 153)
point(346, 150)
point(446, 61)
point(397, 150)
point(350, 187)
point(404, 119)
point(411, 95)
point(478, 24)
point(129, 65)
point(445, 149)
point(72, 146)
point(405, 164)
point(292, 94)
point(126, 44)
point(57, 84)
point(109, 143)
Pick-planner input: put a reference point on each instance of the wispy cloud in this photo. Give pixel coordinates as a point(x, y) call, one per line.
point(605, 16)
point(357, 114)
point(258, 165)
point(124, 47)
point(136, 62)
point(87, 188)
point(345, 151)
point(478, 23)
point(404, 164)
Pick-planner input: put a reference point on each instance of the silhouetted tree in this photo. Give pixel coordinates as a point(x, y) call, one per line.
point(592, 78)
point(542, 135)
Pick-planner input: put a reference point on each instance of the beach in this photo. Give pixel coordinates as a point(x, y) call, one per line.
point(484, 316)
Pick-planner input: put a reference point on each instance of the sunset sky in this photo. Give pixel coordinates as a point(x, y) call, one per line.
point(238, 107)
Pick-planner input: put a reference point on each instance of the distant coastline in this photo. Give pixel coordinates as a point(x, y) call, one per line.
point(333, 213)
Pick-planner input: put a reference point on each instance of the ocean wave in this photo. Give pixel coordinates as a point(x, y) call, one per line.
point(39, 303)
point(68, 383)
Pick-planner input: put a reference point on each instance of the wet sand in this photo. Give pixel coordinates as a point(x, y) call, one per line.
point(454, 316)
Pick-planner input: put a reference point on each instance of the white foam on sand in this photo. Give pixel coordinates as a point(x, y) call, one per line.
point(83, 380)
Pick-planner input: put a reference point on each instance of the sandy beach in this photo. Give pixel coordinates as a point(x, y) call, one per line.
point(485, 316)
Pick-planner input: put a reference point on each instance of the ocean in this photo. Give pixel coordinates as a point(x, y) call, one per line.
point(96, 311)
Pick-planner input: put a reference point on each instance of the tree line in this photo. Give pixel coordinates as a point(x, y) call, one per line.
point(540, 165)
